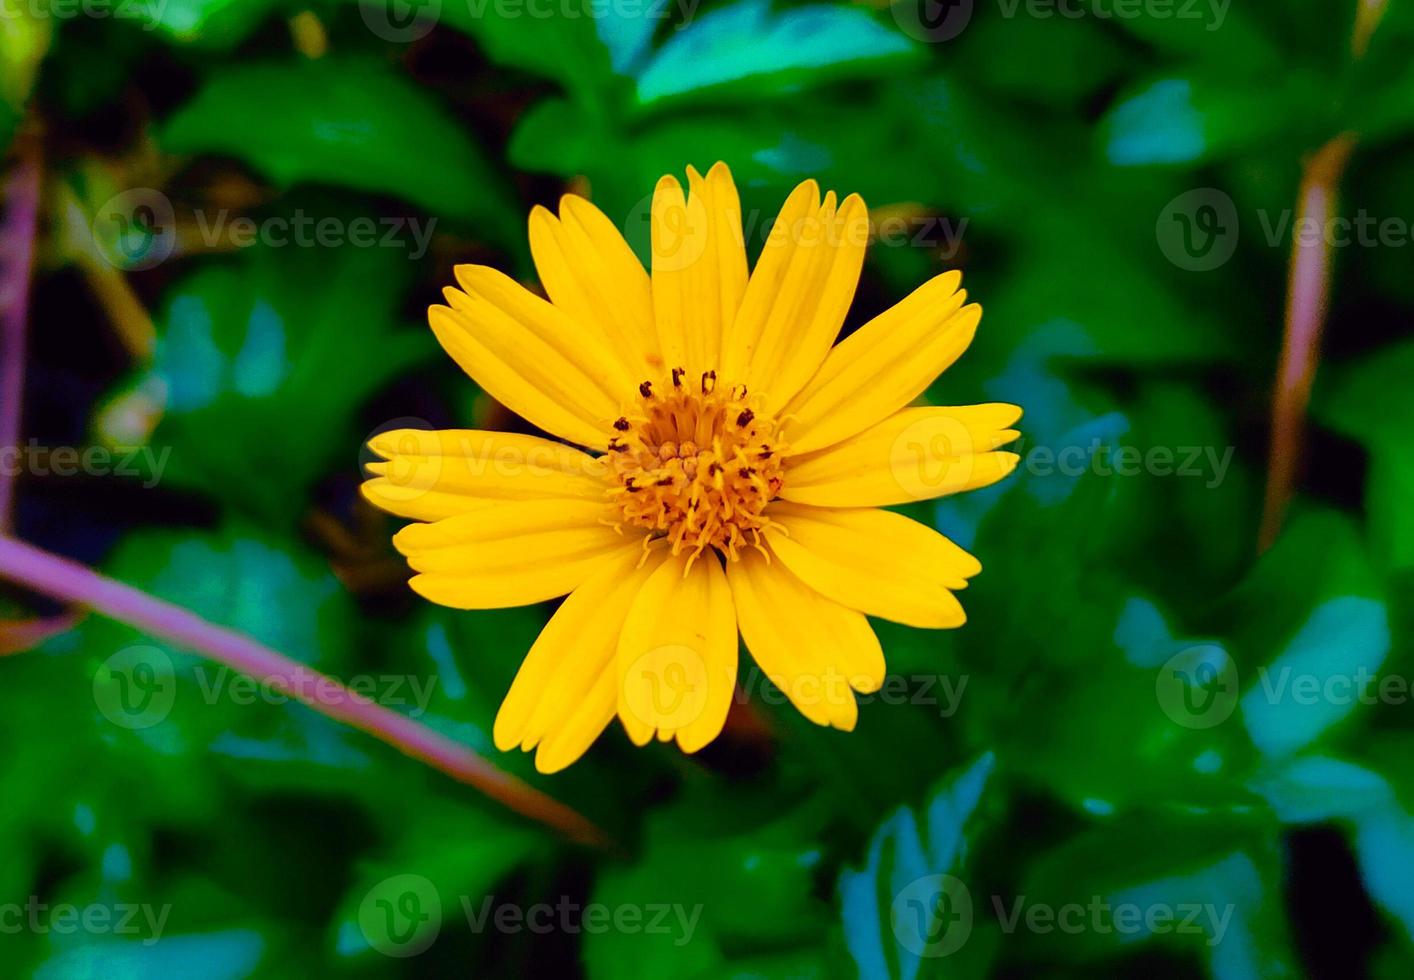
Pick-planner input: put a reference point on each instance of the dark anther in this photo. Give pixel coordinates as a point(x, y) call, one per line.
point(646, 389)
point(714, 469)
point(666, 481)
point(744, 419)
point(621, 425)
point(747, 471)
point(709, 381)
point(677, 376)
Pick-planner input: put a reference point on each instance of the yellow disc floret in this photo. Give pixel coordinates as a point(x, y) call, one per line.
point(695, 466)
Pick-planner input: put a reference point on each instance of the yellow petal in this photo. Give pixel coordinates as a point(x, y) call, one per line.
point(510, 554)
point(677, 655)
point(876, 561)
point(590, 273)
point(431, 475)
point(566, 691)
point(815, 650)
point(532, 357)
point(915, 454)
point(798, 296)
point(699, 266)
point(883, 365)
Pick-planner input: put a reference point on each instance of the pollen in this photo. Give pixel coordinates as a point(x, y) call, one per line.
point(695, 465)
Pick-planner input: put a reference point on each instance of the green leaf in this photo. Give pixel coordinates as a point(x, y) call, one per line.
point(572, 46)
point(1194, 119)
point(1312, 622)
point(729, 876)
point(907, 901)
point(349, 122)
point(1365, 401)
point(1191, 882)
point(740, 52)
point(247, 345)
point(217, 24)
point(25, 33)
point(441, 857)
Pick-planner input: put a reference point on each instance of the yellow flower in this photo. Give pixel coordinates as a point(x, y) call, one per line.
point(737, 460)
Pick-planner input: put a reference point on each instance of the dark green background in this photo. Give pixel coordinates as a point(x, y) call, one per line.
point(1055, 144)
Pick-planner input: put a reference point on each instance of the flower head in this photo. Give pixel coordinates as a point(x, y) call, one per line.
point(737, 458)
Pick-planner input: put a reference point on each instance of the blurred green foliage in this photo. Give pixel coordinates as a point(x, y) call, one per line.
point(1118, 722)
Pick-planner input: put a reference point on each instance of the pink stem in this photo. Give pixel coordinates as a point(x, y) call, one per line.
point(17, 249)
point(1308, 294)
point(71, 582)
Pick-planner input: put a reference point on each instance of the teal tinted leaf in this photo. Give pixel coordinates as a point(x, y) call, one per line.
point(348, 122)
point(1186, 120)
point(1207, 886)
point(229, 955)
point(168, 713)
point(1316, 680)
point(1317, 788)
point(1312, 627)
point(908, 902)
point(245, 346)
point(1384, 846)
point(746, 49)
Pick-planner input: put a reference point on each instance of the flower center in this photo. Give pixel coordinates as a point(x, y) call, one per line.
point(695, 465)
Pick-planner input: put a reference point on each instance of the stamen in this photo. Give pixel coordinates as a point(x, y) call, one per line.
point(696, 469)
